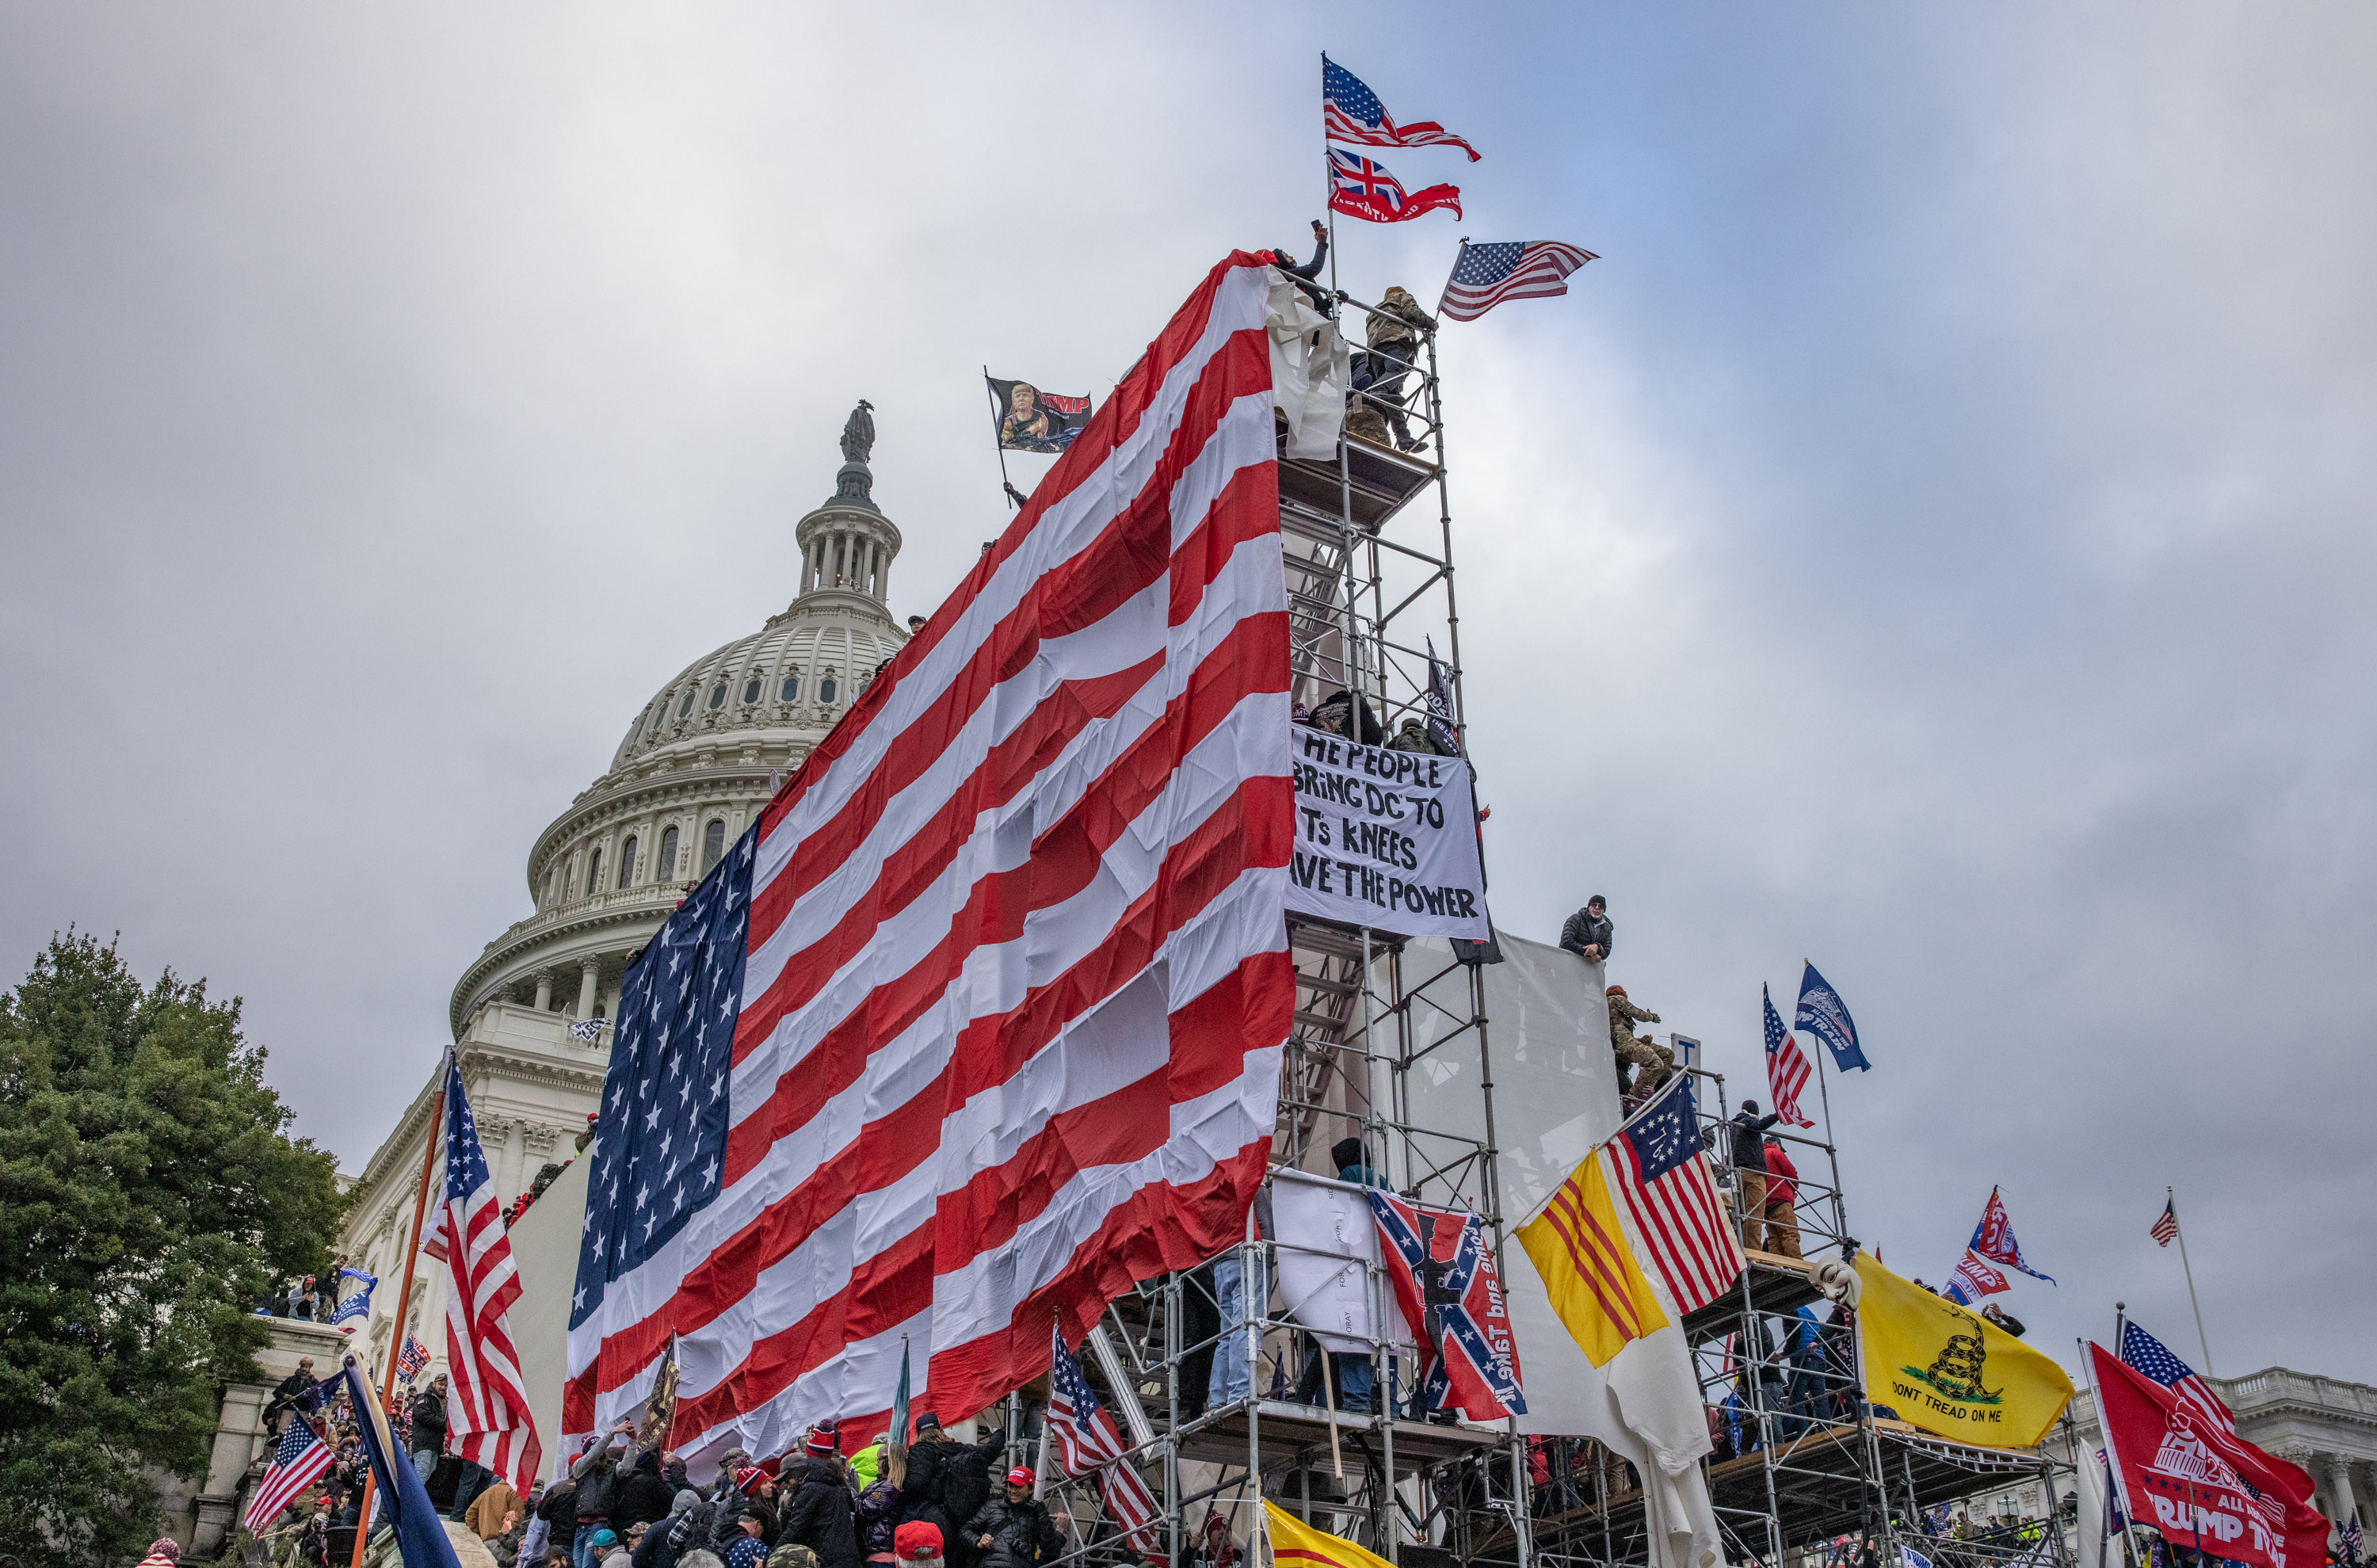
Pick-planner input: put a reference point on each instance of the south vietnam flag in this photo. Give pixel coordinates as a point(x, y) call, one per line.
point(1578, 1245)
point(1294, 1544)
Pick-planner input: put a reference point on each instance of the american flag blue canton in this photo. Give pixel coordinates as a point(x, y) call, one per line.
point(2148, 1354)
point(660, 1139)
point(466, 1162)
point(1341, 89)
point(1484, 275)
point(1664, 1134)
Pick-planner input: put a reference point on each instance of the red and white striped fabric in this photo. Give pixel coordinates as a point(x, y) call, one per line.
point(1787, 1067)
point(486, 1410)
point(1016, 979)
point(1658, 1170)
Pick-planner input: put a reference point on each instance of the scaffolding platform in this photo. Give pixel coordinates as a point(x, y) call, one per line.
point(1374, 484)
point(1774, 1286)
point(1289, 1434)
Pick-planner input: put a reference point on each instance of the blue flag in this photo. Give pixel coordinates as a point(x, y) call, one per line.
point(354, 1294)
point(420, 1534)
point(1824, 1015)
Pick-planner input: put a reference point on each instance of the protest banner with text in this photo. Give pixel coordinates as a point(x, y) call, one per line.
point(1386, 838)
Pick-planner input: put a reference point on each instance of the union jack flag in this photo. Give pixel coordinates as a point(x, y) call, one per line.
point(1087, 1442)
point(1360, 188)
point(1445, 1283)
point(1351, 111)
point(301, 1456)
point(1786, 1069)
point(2165, 1228)
point(410, 1360)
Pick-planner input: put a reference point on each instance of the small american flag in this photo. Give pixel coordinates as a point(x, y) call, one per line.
point(411, 1358)
point(300, 1457)
point(1486, 275)
point(1351, 111)
point(2144, 1353)
point(1786, 1069)
point(487, 1400)
point(1656, 1166)
point(2349, 1546)
point(2166, 1227)
point(1360, 188)
point(1087, 1441)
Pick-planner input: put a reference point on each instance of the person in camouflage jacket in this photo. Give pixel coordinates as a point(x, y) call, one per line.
point(1652, 1060)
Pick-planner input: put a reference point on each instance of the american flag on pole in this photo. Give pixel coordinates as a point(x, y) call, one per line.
point(2166, 1226)
point(410, 1360)
point(1088, 1442)
point(981, 1021)
point(300, 1457)
point(1360, 188)
point(1786, 1069)
point(1658, 1170)
point(486, 1405)
point(1351, 111)
point(1486, 275)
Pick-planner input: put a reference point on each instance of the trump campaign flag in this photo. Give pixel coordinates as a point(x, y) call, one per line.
point(1444, 1282)
point(981, 1020)
point(2227, 1499)
point(1824, 1015)
point(1993, 1238)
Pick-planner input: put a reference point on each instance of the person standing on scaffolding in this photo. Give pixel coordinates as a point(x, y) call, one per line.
point(1653, 1060)
point(1305, 274)
point(1396, 326)
point(1748, 1148)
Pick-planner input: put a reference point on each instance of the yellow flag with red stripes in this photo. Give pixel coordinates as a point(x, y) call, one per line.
point(1294, 1544)
point(1577, 1244)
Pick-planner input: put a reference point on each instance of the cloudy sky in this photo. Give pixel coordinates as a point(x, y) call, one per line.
point(1933, 541)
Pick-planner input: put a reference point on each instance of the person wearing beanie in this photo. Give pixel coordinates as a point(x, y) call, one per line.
point(818, 1513)
point(1013, 1530)
point(1587, 932)
point(163, 1553)
point(1353, 1163)
point(1747, 1146)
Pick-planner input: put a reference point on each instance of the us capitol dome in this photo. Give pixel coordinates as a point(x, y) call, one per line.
point(698, 761)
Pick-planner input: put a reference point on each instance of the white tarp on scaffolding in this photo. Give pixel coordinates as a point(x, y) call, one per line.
point(1554, 1100)
point(1311, 370)
point(1325, 1239)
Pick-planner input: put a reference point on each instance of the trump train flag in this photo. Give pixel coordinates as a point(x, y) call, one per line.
point(1823, 1014)
point(2229, 1500)
point(1949, 1371)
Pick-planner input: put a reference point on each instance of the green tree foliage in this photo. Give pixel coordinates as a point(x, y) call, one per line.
point(149, 1192)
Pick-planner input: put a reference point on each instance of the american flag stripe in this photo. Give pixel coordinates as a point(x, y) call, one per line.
point(1786, 1069)
point(2166, 1226)
point(963, 1096)
point(487, 1400)
point(1677, 1218)
point(298, 1459)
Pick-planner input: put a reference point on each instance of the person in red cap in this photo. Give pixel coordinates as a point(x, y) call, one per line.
point(1014, 1530)
point(818, 1515)
point(917, 1545)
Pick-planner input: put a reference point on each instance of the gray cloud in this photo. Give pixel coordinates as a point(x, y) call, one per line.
point(1933, 541)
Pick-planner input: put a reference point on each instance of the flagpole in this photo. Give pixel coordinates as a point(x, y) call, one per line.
point(1822, 1088)
point(2172, 1198)
point(996, 413)
point(403, 1300)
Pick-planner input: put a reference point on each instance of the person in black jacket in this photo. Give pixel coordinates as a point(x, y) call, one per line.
point(642, 1495)
point(1014, 1531)
point(818, 1515)
point(947, 1480)
point(1587, 932)
point(1285, 259)
point(426, 1441)
point(291, 1393)
point(1748, 1150)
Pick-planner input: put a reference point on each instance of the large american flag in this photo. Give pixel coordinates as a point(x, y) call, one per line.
point(1087, 1441)
point(1787, 1067)
point(1656, 1167)
point(1486, 275)
point(1351, 111)
point(981, 1021)
point(1362, 189)
point(486, 1405)
point(296, 1461)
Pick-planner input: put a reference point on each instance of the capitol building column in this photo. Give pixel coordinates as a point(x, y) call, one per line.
point(589, 973)
point(545, 990)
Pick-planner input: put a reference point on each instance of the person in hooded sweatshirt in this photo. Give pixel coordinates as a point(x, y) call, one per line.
point(643, 1494)
point(818, 1513)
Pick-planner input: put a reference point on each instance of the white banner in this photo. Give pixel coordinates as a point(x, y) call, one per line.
point(1385, 839)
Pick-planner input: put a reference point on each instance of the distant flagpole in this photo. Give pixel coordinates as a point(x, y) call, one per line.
point(1824, 1089)
point(404, 1295)
point(2172, 1196)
